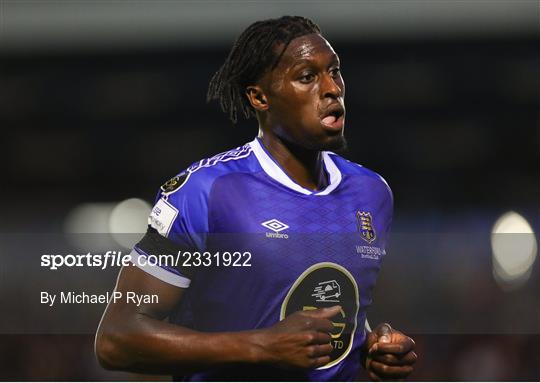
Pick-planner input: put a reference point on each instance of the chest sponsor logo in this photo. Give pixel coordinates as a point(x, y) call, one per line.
point(323, 285)
point(327, 291)
point(364, 222)
point(277, 227)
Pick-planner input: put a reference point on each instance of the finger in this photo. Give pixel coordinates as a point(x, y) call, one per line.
point(384, 371)
point(305, 322)
point(314, 337)
point(322, 325)
point(384, 333)
point(325, 313)
point(320, 350)
point(320, 361)
point(317, 324)
point(372, 376)
point(322, 338)
point(404, 346)
point(396, 359)
point(371, 340)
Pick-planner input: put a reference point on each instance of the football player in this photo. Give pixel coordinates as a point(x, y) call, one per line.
point(281, 239)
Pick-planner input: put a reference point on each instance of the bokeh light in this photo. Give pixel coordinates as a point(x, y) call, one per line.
point(514, 250)
point(129, 217)
point(92, 217)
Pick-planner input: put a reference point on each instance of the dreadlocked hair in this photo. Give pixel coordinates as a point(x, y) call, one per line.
point(251, 56)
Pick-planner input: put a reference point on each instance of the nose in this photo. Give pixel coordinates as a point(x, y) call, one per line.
point(330, 87)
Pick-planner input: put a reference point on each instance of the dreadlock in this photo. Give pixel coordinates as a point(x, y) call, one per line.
point(251, 56)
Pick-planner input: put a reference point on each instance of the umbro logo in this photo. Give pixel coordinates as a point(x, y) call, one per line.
point(276, 226)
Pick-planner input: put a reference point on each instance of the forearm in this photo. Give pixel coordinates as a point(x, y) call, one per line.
point(145, 344)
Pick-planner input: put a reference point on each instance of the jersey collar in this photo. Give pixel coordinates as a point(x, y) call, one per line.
point(274, 170)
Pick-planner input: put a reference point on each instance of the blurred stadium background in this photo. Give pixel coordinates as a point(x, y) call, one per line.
point(101, 102)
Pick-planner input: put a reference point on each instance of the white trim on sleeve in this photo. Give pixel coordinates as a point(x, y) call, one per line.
point(159, 272)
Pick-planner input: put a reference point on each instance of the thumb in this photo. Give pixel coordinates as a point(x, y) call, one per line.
point(384, 333)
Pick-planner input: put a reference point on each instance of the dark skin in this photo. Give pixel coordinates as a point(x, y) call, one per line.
point(136, 338)
point(389, 354)
point(291, 102)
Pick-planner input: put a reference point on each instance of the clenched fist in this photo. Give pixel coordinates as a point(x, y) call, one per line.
point(389, 354)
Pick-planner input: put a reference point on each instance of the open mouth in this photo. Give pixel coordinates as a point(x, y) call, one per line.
point(333, 117)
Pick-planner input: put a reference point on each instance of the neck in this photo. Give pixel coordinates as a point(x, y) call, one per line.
point(305, 167)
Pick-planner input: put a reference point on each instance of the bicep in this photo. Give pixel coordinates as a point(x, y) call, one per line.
point(162, 297)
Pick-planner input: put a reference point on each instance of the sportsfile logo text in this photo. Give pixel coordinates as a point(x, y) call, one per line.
point(118, 259)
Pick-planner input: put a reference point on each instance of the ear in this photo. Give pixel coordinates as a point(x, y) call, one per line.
point(257, 98)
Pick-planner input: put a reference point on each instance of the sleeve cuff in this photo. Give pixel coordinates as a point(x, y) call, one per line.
point(159, 272)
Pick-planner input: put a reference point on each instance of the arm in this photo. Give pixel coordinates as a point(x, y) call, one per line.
point(136, 338)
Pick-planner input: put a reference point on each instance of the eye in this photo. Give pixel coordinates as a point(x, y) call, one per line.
point(306, 78)
point(335, 72)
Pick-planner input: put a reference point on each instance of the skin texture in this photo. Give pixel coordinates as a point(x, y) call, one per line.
point(290, 102)
point(388, 354)
point(136, 338)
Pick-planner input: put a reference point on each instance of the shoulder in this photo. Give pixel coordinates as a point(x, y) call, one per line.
point(360, 172)
point(199, 178)
point(348, 167)
point(182, 203)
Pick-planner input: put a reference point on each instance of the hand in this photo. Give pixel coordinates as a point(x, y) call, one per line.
point(390, 354)
point(301, 340)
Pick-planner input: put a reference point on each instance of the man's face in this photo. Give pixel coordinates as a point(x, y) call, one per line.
point(305, 95)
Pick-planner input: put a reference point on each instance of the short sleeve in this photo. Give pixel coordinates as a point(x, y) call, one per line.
point(177, 223)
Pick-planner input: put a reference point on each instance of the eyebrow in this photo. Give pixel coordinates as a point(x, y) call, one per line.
point(334, 59)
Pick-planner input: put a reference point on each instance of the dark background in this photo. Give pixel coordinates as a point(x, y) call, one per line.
point(449, 123)
point(447, 112)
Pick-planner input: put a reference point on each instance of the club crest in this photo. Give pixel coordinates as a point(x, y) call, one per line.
point(364, 222)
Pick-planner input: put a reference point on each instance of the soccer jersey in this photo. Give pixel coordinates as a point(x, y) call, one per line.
point(260, 247)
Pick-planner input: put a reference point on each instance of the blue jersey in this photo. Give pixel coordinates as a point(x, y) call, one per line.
point(263, 247)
